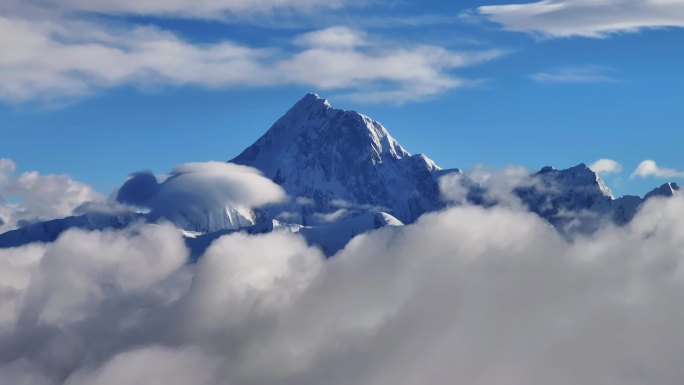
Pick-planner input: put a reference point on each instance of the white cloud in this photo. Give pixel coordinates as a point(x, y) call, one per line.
point(61, 284)
point(606, 166)
point(207, 196)
point(31, 196)
point(588, 18)
point(333, 37)
point(83, 268)
point(219, 183)
point(332, 217)
point(649, 168)
point(496, 185)
point(68, 57)
point(577, 74)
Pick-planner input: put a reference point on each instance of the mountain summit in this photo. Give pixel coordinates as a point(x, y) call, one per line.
point(328, 159)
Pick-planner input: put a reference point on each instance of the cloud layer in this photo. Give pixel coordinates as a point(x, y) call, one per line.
point(588, 18)
point(441, 301)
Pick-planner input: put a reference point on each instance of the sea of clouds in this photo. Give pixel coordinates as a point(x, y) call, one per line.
point(468, 295)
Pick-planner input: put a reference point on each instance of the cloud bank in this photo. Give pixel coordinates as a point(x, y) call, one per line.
point(467, 295)
point(587, 18)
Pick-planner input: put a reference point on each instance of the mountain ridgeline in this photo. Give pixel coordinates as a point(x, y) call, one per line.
point(344, 174)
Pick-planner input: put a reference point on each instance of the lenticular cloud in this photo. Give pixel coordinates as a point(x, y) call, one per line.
point(468, 295)
point(206, 197)
point(204, 185)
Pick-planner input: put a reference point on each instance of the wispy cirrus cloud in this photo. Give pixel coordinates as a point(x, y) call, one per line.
point(577, 74)
point(588, 18)
point(649, 168)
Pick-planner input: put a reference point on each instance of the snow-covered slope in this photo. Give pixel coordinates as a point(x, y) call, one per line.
point(330, 237)
point(193, 218)
point(329, 157)
point(334, 236)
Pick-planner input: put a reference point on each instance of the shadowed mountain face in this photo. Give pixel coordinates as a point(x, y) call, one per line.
point(331, 159)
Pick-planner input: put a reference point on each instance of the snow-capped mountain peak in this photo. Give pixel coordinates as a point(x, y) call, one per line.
point(580, 176)
point(312, 100)
point(326, 154)
point(666, 190)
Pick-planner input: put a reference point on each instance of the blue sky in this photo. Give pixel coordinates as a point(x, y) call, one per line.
point(100, 89)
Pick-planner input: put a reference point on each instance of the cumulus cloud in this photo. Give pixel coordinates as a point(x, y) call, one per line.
point(82, 268)
point(485, 185)
point(97, 285)
point(441, 301)
point(649, 168)
point(588, 18)
point(52, 58)
point(606, 166)
point(577, 74)
point(30, 196)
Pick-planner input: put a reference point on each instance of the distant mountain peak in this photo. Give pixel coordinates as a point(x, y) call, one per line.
point(311, 101)
point(325, 154)
point(574, 178)
point(311, 116)
point(665, 190)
